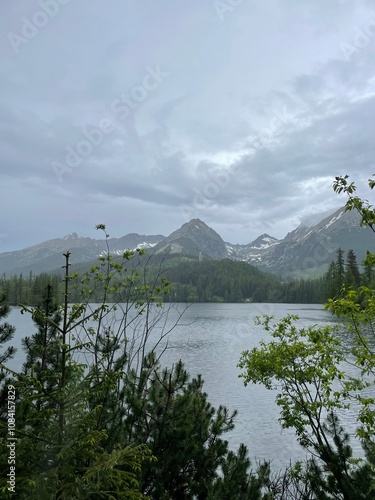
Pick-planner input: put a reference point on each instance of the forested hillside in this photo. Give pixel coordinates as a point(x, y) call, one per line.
point(190, 281)
point(230, 281)
point(211, 281)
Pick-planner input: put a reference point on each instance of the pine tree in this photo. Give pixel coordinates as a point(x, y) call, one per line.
point(6, 333)
point(171, 414)
point(338, 474)
point(43, 348)
point(352, 274)
point(340, 271)
point(330, 282)
point(334, 279)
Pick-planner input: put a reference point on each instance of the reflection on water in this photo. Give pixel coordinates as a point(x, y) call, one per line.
point(210, 339)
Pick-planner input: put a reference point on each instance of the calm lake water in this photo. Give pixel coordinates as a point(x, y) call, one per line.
point(210, 339)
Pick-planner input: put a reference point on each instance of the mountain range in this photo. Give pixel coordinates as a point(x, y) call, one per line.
point(304, 252)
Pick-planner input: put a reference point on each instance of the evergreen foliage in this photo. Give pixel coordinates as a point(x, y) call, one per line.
point(170, 413)
point(342, 276)
point(31, 290)
point(190, 281)
point(6, 333)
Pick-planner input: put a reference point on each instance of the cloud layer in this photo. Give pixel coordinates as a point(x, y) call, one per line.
point(143, 116)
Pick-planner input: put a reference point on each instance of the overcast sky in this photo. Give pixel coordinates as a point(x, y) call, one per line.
point(144, 114)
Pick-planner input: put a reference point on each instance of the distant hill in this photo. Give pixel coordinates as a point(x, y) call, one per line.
point(47, 256)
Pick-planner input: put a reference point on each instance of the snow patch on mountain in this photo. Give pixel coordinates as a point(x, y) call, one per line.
point(145, 244)
point(333, 220)
point(121, 251)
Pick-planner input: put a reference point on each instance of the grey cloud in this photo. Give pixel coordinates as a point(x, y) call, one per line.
point(267, 94)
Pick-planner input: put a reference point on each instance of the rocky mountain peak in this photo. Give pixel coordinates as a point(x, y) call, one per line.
point(196, 224)
point(71, 236)
point(263, 241)
point(194, 238)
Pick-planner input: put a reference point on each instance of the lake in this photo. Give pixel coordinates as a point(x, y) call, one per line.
point(210, 339)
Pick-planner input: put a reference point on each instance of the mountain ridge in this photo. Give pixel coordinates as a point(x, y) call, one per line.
point(303, 252)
